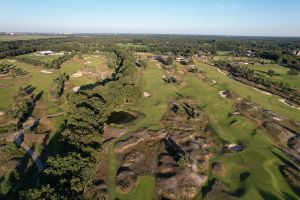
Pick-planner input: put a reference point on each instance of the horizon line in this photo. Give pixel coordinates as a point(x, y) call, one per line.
point(136, 33)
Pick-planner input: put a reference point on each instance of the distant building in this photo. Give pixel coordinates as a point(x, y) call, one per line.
point(250, 53)
point(160, 58)
point(46, 53)
point(181, 59)
point(296, 52)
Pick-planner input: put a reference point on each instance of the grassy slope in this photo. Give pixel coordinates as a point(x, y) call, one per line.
point(46, 59)
point(257, 159)
point(281, 74)
point(248, 92)
point(44, 81)
point(154, 107)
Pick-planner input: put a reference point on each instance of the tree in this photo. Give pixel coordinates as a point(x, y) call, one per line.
point(169, 61)
point(68, 174)
point(190, 62)
point(270, 73)
point(8, 182)
point(293, 72)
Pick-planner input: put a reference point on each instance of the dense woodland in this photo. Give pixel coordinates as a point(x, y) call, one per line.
point(66, 175)
point(276, 49)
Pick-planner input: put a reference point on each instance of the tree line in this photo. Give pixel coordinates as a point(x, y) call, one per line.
point(66, 175)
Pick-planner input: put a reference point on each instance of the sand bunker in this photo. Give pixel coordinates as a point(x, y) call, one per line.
point(46, 72)
point(223, 93)
point(264, 92)
point(214, 82)
point(77, 75)
point(288, 104)
point(11, 61)
point(2, 113)
point(88, 62)
point(221, 72)
point(76, 89)
point(147, 94)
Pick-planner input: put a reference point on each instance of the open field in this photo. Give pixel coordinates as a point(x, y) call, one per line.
point(257, 159)
point(43, 58)
point(258, 156)
point(269, 102)
point(137, 46)
point(43, 81)
point(280, 74)
point(25, 37)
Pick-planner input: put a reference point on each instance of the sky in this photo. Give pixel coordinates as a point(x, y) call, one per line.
point(200, 17)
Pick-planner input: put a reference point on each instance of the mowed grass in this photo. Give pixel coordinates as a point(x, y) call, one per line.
point(269, 102)
point(153, 107)
point(36, 56)
point(257, 158)
point(280, 74)
point(156, 105)
point(43, 81)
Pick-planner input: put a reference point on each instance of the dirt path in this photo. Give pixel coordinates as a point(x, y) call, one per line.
point(55, 115)
point(34, 156)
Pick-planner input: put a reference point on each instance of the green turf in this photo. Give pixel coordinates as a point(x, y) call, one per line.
point(35, 56)
point(280, 74)
point(257, 158)
point(43, 81)
point(269, 102)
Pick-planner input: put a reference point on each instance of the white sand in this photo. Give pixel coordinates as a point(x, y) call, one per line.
point(88, 62)
point(163, 76)
point(46, 71)
point(2, 113)
point(214, 81)
point(77, 75)
point(277, 119)
point(76, 89)
point(12, 61)
point(285, 102)
point(222, 94)
point(232, 145)
point(264, 92)
point(221, 72)
point(147, 94)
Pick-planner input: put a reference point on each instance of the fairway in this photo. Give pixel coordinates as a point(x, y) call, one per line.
point(269, 102)
point(280, 74)
point(257, 159)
